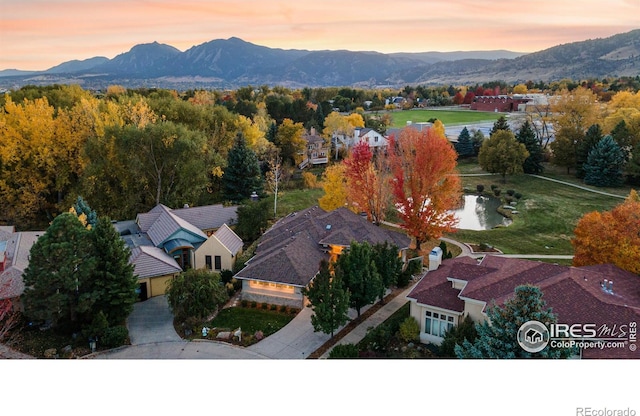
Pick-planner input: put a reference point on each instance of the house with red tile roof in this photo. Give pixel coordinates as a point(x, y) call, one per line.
point(603, 296)
point(288, 255)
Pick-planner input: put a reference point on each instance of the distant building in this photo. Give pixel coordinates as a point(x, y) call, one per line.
point(500, 103)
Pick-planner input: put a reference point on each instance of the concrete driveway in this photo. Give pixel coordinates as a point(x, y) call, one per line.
point(151, 321)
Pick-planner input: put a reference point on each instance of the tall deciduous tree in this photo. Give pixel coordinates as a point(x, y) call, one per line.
point(328, 299)
point(58, 278)
point(113, 280)
point(605, 164)
point(425, 183)
point(367, 187)
point(533, 163)
point(291, 142)
point(502, 154)
point(610, 236)
point(360, 276)
point(334, 185)
point(497, 337)
point(242, 174)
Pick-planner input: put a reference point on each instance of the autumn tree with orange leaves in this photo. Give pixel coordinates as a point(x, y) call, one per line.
point(610, 236)
point(367, 182)
point(425, 183)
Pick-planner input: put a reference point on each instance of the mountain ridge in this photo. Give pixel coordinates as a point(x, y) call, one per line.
point(233, 62)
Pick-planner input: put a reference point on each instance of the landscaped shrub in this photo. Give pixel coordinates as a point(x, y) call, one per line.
point(237, 284)
point(409, 330)
point(274, 307)
point(480, 188)
point(226, 276)
point(517, 195)
point(115, 336)
point(344, 351)
point(244, 303)
point(258, 335)
point(265, 306)
point(283, 308)
point(254, 304)
point(310, 180)
point(496, 192)
point(456, 336)
point(510, 192)
point(494, 186)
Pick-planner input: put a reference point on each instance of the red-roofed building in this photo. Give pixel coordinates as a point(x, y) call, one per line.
point(604, 296)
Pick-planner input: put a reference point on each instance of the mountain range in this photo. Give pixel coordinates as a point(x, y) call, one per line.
point(233, 62)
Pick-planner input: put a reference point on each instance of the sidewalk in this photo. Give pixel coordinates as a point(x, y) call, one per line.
point(358, 333)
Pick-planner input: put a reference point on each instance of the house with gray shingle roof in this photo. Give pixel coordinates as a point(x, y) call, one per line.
point(577, 295)
point(288, 255)
point(14, 259)
point(164, 242)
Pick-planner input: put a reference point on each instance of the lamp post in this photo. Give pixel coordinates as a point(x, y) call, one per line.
point(92, 343)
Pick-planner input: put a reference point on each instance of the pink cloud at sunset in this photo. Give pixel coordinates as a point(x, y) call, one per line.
point(38, 34)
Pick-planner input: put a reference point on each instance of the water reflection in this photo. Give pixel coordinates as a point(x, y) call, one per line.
point(479, 213)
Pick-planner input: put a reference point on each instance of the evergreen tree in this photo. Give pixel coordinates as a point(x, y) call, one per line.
point(329, 300)
point(272, 132)
point(361, 278)
point(318, 117)
point(58, 278)
point(388, 264)
point(457, 335)
point(500, 124)
point(605, 164)
point(81, 207)
point(591, 138)
point(113, 279)
point(464, 146)
point(527, 136)
point(498, 336)
point(477, 139)
point(253, 219)
point(242, 175)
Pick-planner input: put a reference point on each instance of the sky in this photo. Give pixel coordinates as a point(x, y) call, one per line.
point(39, 34)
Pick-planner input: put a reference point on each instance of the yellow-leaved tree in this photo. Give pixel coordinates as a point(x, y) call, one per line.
point(334, 185)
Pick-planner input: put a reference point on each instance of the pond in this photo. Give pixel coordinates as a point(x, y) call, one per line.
point(479, 213)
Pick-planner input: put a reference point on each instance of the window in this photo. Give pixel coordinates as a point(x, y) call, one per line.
point(207, 260)
point(218, 261)
point(437, 324)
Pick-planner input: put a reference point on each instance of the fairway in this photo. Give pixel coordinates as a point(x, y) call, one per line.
point(447, 117)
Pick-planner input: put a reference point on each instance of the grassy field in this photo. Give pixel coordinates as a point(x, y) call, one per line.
point(548, 215)
point(448, 117)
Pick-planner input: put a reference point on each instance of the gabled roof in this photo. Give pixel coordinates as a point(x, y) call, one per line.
point(209, 217)
point(229, 239)
point(17, 250)
point(167, 223)
point(149, 261)
point(291, 250)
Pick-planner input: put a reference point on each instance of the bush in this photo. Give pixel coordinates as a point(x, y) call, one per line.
point(274, 307)
point(265, 306)
point(409, 330)
point(254, 304)
point(244, 303)
point(226, 276)
point(344, 351)
point(258, 335)
point(496, 192)
point(494, 187)
point(310, 180)
point(517, 195)
point(480, 188)
point(283, 308)
point(115, 336)
point(510, 192)
point(456, 336)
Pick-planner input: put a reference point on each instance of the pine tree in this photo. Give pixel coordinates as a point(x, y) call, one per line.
point(388, 265)
point(81, 207)
point(500, 124)
point(591, 138)
point(464, 146)
point(477, 139)
point(361, 278)
point(498, 336)
point(242, 175)
point(272, 132)
point(533, 163)
point(329, 300)
point(57, 280)
point(605, 164)
point(113, 278)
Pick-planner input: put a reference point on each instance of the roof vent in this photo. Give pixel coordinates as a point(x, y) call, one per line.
point(186, 206)
point(607, 286)
point(328, 227)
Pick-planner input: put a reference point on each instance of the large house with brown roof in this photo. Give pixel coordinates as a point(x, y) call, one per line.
point(14, 259)
point(288, 255)
point(603, 295)
point(166, 241)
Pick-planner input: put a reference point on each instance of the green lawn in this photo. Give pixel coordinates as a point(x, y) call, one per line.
point(297, 199)
point(548, 215)
point(251, 320)
point(448, 117)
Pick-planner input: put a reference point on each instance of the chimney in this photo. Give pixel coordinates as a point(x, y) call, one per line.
point(186, 206)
